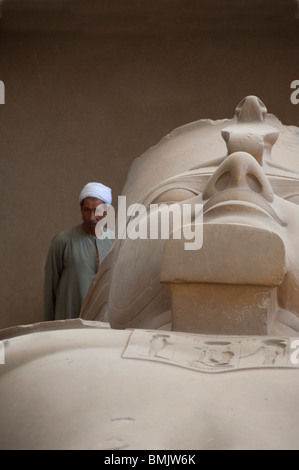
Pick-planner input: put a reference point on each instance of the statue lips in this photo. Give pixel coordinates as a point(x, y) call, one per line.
point(240, 199)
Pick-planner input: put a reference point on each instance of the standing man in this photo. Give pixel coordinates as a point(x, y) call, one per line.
point(74, 257)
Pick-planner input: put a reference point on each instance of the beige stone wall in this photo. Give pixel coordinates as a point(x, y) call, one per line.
point(89, 91)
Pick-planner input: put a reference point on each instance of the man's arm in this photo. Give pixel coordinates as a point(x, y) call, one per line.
point(53, 270)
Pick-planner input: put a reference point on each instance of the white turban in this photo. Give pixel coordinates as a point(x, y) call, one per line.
point(97, 190)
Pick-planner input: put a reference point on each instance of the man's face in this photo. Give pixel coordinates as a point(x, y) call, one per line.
point(89, 217)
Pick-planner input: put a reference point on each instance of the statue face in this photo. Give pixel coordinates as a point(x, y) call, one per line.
point(246, 184)
point(240, 193)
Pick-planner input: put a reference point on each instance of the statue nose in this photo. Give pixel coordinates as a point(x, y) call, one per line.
point(239, 171)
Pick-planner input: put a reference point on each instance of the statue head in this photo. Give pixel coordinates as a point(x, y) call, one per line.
point(244, 279)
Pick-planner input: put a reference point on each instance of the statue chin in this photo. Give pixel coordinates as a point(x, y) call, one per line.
point(243, 278)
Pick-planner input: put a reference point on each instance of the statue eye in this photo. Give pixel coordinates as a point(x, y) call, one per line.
point(293, 198)
point(286, 188)
point(175, 195)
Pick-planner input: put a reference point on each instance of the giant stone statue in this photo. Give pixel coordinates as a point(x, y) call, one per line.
point(245, 278)
point(178, 348)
